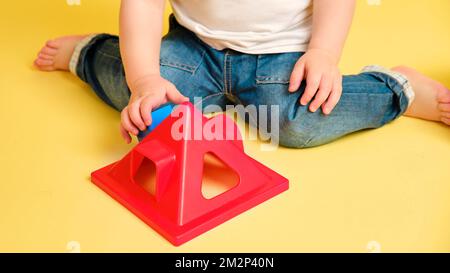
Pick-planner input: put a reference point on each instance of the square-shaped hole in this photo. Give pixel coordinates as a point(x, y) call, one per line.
point(146, 176)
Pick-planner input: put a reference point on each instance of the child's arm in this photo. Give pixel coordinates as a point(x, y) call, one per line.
point(319, 65)
point(140, 42)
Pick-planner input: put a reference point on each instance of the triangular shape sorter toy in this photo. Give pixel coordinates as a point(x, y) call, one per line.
point(176, 147)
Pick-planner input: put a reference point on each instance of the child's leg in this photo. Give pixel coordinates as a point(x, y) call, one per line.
point(369, 100)
point(96, 60)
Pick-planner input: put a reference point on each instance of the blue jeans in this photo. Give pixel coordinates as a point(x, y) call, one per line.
point(369, 100)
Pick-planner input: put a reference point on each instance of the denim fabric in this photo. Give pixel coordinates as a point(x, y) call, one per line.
point(369, 99)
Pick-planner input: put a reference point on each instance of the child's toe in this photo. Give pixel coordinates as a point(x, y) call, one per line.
point(49, 51)
point(45, 56)
point(44, 65)
point(52, 43)
point(444, 95)
point(444, 107)
point(43, 62)
point(445, 120)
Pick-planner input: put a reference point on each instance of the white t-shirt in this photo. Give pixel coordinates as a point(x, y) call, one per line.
point(249, 26)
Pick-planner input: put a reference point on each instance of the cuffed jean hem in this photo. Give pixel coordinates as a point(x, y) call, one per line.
point(74, 59)
point(401, 80)
point(84, 50)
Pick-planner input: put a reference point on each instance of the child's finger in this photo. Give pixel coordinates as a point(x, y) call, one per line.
point(135, 115)
point(146, 108)
point(174, 95)
point(323, 93)
point(126, 122)
point(296, 76)
point(334, 97)
point(312, 84)
point(125, 134)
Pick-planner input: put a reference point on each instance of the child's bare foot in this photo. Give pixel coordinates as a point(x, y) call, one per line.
point(432, 100)
point(56, 53)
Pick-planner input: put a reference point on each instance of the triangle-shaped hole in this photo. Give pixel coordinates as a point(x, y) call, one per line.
point(146, 176)
point(217, 176)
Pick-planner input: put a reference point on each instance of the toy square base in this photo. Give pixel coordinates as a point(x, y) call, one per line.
point(143, 205)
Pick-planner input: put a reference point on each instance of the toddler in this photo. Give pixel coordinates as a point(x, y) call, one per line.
point(245, 52)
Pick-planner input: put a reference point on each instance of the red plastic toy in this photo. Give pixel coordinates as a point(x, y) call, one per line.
point(177, 209)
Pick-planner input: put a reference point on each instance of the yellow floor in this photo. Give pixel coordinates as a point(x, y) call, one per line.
point(386, 189)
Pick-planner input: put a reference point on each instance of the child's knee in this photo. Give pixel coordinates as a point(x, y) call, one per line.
point(304, 133)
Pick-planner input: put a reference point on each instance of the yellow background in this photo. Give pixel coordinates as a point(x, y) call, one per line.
point(390, 186)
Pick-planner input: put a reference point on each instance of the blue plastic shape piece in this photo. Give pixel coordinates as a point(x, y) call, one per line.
point(158, 116)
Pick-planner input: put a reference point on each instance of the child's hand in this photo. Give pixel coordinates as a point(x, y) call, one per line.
point(323, 80)
point(147, 94)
